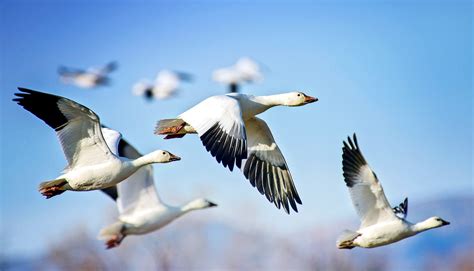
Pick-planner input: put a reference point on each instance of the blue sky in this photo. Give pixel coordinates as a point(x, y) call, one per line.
point(398, 74)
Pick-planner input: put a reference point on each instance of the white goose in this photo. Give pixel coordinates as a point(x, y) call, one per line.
point(91, 164)
point(380, 224)
point(244, 70)
point(90, 78)
point(230, 131)
point(166, 84)
point(140, 208)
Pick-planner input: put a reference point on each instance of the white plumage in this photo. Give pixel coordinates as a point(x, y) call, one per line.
point(166, 85)
point(232, 134)
point(140, 208)
point(90, 78)
point(380, 224)
point(91, 163)
point(244, 70)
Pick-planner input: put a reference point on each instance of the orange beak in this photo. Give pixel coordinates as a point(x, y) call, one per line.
point(309, 99)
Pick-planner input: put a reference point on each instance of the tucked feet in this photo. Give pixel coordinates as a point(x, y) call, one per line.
point(171, 130)
point(114, 241)
point(51, 189)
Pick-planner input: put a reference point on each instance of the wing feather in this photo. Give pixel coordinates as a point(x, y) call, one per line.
point(402, 209)
point(77, 127)
point(266, 168)
point(218, 122)
point(365, 189)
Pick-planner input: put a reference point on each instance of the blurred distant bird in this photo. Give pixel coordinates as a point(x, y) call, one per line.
point(245, 70)
point(166, 84)
point(91, 163)
point(380, 224)
point(230, 131)
point(141, 209)
point(90, 78)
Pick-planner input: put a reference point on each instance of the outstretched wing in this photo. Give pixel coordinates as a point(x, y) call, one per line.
point(402, 209)
point(109, 67)
point(184, 76)
point(77, 127)
point(218, 121)
point(69, 72)
point(365, 189)
point(266, 167)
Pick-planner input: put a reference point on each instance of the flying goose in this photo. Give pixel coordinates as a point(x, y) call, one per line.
point(244, 70)
point(232, 134)
point(91, 164)
point(140, 208)
point(380, 224)
point(166, 84)
point(90, 78)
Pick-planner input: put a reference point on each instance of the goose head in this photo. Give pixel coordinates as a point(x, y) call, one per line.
point(161, 156)
point(436, 222)
point(297, 99)
point(198, 204)
point(430, 223)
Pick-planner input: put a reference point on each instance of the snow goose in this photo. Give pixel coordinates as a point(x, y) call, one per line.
point(380, 224)
point(166, 84)
point(90, 78)
point(244, 70)
point(232, 134)
point(91, 164)
point(140, 208)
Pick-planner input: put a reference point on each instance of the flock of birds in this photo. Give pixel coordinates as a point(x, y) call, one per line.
point(100, 159)
point(167, 82)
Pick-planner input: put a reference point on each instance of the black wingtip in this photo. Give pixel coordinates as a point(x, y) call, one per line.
point(27, 90)
point(274, 182)
point(43, 105)
point(225, 148)
point(352, 160)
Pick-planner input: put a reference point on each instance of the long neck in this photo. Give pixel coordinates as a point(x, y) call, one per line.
point(420, 227)
point(190, 206)
point(270, 100)
point(142, 161)
point(263, 103)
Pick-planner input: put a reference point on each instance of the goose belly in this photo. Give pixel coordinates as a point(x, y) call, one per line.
point(86, 80)
point(97, 176)
point(382, 234)
point(147, 221)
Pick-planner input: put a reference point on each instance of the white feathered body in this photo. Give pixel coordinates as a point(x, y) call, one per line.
point(383, 233)
point(150, 219)
point(98, 176)
point(247, 104)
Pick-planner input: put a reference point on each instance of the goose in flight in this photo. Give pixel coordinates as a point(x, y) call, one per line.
point(380, 224)
point(90, 78)
point(232, 134)
point(244, 70)
point(140, 208)
point(166, 84)
point(91, 164)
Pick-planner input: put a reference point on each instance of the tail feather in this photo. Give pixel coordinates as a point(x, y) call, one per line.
point(52, 188)
point(346, 239)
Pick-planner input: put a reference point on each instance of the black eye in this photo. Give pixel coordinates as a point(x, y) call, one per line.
point(164, 153)
point(299, 95)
